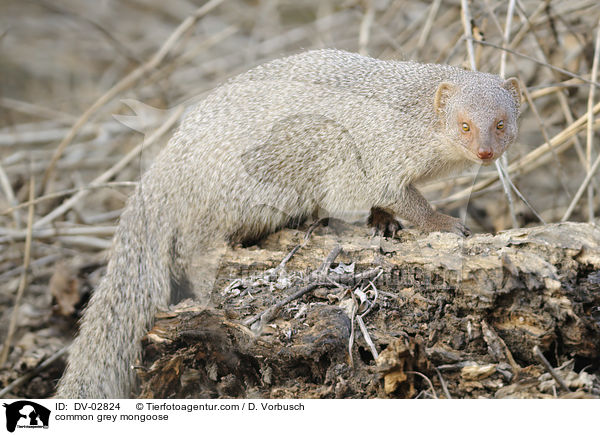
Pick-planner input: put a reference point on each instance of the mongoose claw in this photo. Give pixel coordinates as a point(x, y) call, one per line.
point(449, 224)
point(462, 230)
point(383, 223)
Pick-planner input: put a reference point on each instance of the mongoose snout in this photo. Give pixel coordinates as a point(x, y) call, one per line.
point(485, 154)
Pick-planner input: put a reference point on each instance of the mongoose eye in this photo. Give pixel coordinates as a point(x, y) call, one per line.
point(500, 125)
point(465, 127)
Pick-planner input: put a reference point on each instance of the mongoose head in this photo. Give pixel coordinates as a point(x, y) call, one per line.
point(479, 115)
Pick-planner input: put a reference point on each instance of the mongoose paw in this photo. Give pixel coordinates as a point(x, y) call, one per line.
point(461, 229)
point(445, 223)
point(383, 222)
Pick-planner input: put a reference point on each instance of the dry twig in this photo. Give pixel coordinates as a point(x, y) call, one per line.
point(590, 122)
point(45, 364)
point(22, 284)
point(540, 356)
point(129, 81)
point(65, 206)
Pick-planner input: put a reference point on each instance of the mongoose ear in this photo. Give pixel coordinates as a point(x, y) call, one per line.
point(512, 85)
point(442, 95)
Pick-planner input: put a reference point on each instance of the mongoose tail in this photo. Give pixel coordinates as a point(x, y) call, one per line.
point(120, 312)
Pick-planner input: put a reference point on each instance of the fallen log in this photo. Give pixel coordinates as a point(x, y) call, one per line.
point(511, 315)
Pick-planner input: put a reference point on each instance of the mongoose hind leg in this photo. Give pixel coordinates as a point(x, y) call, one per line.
point(383, 222)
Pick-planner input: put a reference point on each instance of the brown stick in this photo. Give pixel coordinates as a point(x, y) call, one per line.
point(540, 356)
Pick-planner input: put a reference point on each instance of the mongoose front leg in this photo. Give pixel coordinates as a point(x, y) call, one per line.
point(383, 222)
point(414, 208)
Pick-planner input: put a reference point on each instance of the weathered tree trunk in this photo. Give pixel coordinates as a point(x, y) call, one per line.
point(474, 317)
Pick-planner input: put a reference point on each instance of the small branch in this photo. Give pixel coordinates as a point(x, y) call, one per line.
point(36, 110)
point(498, 348)
point(435, 6)
point(324, 267)
point(48, 362)
point(503, 175)
point(361, 323)
point(49, 259)
point(349, 279)
point(376, 294)
point(367, 337)
point(444, 384)
point(10, 196)
point(311, 229)
point(527, 26)
point(352, 332)
point(542, 125)
point(65, 206)
point(13, 319)
point(538, 353)
point(581, 189)
point(321, 280)
point(468, 31)
point(297, 247)
point(108, 35)
point(509, 15)
point(128, 81)
point(590, 132)
point(412, 372)
point(522, 197)
point(17, 235)
point(287, 258)
point(365, 28)
point(69, 192)
point(270, 313)
point(539, 62)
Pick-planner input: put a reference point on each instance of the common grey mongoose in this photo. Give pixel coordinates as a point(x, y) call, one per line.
point(323, 131)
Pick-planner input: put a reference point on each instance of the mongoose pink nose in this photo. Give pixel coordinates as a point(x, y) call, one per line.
point(485, 154)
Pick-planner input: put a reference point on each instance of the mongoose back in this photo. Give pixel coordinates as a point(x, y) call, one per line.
point(327, 131)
